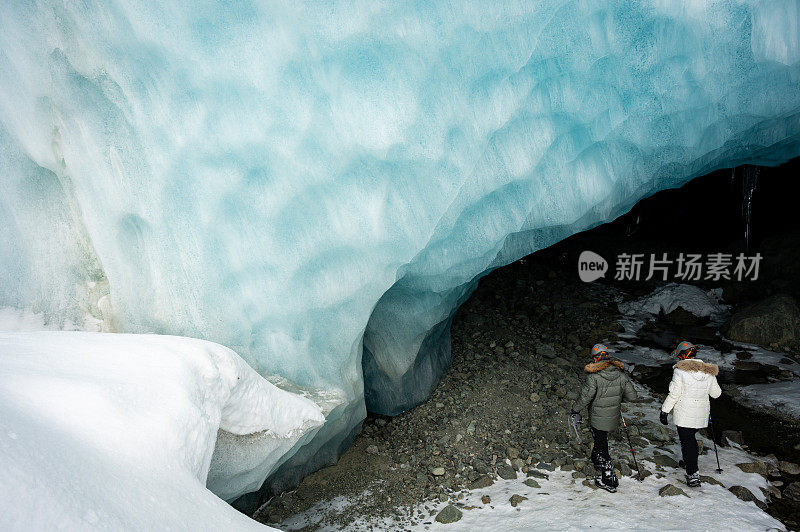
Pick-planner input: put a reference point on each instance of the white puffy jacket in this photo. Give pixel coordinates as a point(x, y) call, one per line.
point(693, 381)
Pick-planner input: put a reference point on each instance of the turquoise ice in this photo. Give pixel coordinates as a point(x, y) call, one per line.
point(319, 185)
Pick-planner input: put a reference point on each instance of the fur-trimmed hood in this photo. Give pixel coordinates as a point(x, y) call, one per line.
point(694, 364)
point(594, 367)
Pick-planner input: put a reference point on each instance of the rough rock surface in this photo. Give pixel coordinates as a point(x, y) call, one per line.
point(775, 320)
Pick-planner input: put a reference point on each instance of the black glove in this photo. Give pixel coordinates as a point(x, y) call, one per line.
point(663, 418)
point(576, 417)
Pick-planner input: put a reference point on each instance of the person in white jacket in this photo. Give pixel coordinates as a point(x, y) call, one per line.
point(693, 382)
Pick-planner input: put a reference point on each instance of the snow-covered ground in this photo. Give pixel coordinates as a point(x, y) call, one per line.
point(564, 503)
point(116, 432)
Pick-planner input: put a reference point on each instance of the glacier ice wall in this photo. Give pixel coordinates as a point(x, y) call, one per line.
point(307, 182)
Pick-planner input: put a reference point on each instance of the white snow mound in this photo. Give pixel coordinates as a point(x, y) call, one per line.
point(117, 431)
point(673, 295)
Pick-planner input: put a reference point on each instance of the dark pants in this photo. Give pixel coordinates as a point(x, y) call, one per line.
point(688, 448)
point(600, 445)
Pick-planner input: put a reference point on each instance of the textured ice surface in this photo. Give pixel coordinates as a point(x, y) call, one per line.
point(296, 180)
point(117, 431)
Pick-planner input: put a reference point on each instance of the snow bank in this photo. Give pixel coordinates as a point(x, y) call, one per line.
point(108, 431)
point(673, 295)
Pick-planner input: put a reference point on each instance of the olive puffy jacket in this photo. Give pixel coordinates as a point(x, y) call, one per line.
point(605, 388)
point(693, 382)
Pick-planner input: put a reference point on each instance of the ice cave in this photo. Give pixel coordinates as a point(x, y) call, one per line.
point(307, 193)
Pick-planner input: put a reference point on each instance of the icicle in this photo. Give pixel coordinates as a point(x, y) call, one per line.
point(749, 183)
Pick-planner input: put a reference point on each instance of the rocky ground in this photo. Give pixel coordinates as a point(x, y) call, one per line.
point(519, 347)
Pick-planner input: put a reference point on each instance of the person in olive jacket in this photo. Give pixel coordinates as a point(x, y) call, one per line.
point(606, 386)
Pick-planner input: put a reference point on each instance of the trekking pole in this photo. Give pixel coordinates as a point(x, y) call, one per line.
point(628, 432)
point(714, 439)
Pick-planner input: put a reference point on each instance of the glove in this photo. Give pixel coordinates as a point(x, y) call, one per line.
point(576, 417)
point(663, 418)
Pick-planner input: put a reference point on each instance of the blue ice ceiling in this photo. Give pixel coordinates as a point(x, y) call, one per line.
point(313, 183)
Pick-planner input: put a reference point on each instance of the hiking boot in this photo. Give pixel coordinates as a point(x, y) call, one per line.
point(598, 481)
point(693, 480)
point(609, 477)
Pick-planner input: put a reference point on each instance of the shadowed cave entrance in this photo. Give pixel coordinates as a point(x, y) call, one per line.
point(511, 358)
point(742, 210)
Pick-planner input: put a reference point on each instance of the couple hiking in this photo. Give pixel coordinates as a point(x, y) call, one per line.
point(607, 385)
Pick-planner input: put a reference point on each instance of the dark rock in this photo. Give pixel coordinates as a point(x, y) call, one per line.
point(671, 490)
point(480, 466)
point(532, 483)
point(655, 433)
point(746, 495)
point(506, 471)
point(483, 481)
point(789, 468)
point(705, 479)
point(486, 499)
point(665, 461)
point(449, 514)
point(589, 484)
point(754, 467)
point(516, 499)
point(681, 316)
point(775, 319)
point(733, 435)
point(537, 474)
point(792, 491)
point(545, 466)
point(546, 351)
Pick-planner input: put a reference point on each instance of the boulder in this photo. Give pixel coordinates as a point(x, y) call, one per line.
point(506, 471)
point(483, 481)
point(775, 319)
point(449, 514)
point(546, 351)
point(754, 467)
point(532, 483)
point(664, 460)
point(735, 436)
point(655, 432)
point(746, 495)
point(681, 316)
point(792, 491)
point(789, 468)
